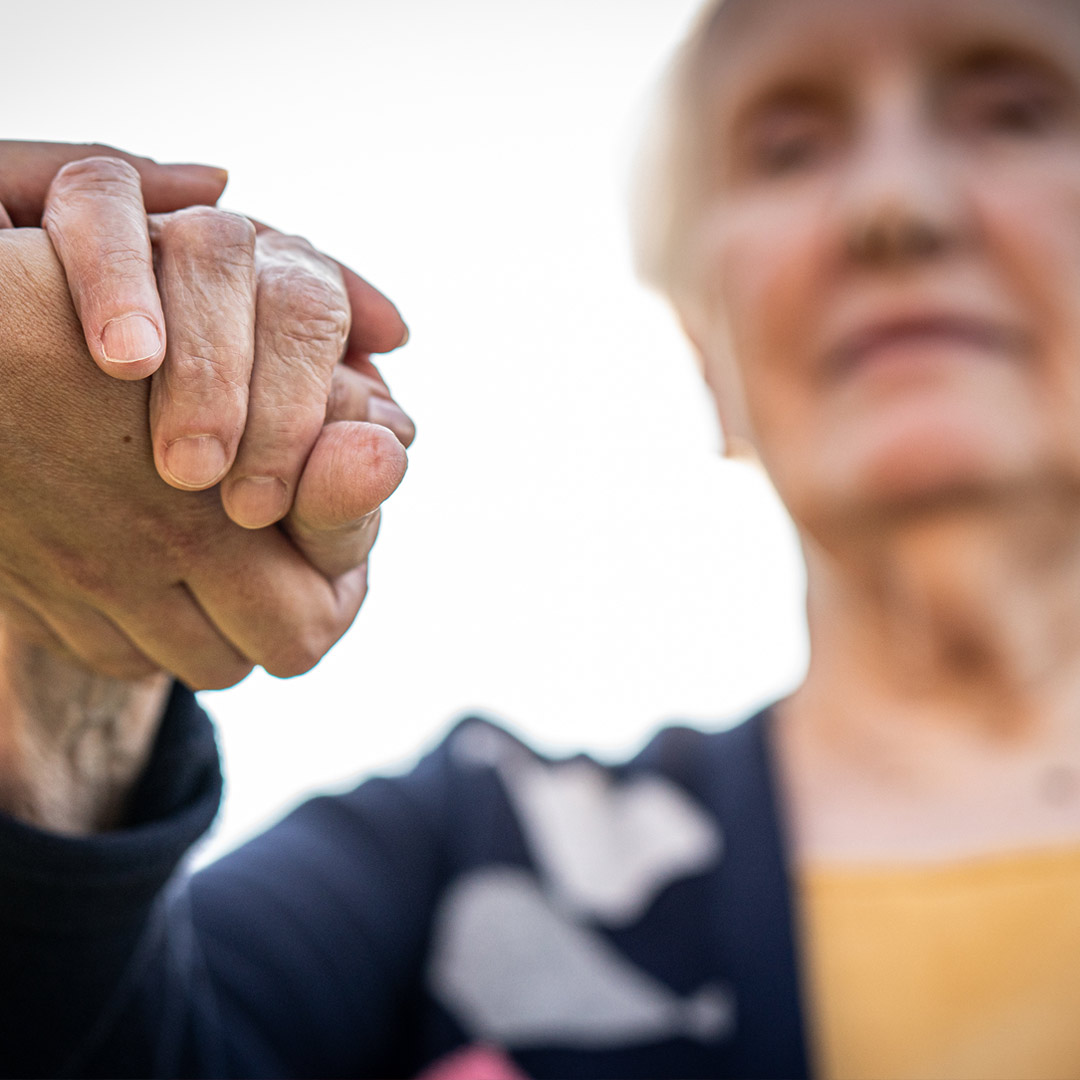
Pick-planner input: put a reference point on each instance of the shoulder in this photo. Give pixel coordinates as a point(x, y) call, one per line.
point(606, 836)
point(576, 914)
point(694, 759)
point(483, 794)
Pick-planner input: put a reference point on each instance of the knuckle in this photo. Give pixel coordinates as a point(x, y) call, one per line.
point(99, 175)
point(296, 252)
point(308, 307)
point(279, 244)
point(287, 665)
point(307, 646)
point(209, 227)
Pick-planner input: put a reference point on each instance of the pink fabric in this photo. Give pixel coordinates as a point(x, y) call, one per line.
point(474, 1063)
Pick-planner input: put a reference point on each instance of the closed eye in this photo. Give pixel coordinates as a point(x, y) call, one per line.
point(788, 132)
point(997, 94)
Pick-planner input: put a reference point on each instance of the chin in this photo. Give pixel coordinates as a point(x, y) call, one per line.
point(903, 464)
point(924, 432)
point(932, 480)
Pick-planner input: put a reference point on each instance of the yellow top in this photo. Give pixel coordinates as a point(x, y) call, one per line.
point(966, 969)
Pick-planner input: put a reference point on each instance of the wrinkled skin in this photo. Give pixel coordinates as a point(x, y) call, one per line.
point(102, 550)
point(925, 157)
point(256, 324)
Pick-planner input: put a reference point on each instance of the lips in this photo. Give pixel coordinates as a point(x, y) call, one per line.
point(922, 330)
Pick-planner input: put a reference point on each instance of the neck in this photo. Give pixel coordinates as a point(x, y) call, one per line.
point(941, 711)
point(964, 622)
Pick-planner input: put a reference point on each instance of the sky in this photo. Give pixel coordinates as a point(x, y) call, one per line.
point(569, 552)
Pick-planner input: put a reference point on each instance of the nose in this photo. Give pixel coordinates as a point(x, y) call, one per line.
point(899, 200)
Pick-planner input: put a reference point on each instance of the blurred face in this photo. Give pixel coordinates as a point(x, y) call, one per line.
point(886, 266)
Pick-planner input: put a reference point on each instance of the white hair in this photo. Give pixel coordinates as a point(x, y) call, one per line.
point(668, 169)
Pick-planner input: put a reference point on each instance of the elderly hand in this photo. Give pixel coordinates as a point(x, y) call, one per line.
point(301, 312)
point(101, 562)
point(298, 296)
point(120, 569)
point(257, 326)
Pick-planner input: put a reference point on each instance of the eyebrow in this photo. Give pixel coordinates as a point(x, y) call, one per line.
point(992, 55)
point(793, 90)
point(797, 83)
point(730, 91)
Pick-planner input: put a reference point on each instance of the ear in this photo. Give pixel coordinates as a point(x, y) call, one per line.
point(716, 362)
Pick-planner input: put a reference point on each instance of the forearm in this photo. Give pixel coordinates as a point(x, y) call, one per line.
point(72, 743)
point(76, 910)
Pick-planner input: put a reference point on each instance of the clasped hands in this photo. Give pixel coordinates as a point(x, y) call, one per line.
point(175, 380)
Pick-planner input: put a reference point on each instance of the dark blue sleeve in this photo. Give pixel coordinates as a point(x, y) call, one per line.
point(75, 911)
point(298, 954)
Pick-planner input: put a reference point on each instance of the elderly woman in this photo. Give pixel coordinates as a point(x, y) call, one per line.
point(867, 216)
point(874, 243)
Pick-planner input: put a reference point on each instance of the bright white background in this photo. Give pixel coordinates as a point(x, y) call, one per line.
point(568, 550)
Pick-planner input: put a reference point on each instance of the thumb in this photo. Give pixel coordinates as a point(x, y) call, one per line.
point(351, 470)
point(27, 169)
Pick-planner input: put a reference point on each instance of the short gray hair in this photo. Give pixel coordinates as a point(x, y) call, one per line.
point(668, 172)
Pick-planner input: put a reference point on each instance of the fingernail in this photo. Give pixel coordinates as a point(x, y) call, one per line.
point(129, 339)
point(386, 414)
point(256, 501)
point(195, 461)
point(405, 340)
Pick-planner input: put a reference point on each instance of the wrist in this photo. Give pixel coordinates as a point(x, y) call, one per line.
point(72, 742)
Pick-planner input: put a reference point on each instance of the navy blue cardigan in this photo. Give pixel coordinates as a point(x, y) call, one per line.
point(593, 921)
